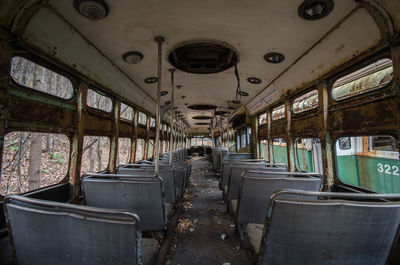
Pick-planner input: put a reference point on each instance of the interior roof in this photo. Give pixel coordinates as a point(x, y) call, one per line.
point(252, 28)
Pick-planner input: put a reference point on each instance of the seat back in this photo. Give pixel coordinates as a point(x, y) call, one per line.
point(255, 193)
point(226, 169)
point(167, 175)
point(143, 195)
point(237, 170)
point(329, 231)
point(48, 233)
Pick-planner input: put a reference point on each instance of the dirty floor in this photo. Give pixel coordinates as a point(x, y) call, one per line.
point(205, 232)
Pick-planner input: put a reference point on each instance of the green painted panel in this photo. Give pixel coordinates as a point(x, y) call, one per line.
point(304, 160)
point(379, 174)
point(280, 154)
point(347, 169)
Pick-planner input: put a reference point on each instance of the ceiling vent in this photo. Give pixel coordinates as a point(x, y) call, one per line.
point(203, 57)
point(315, 9)
point(92, 9)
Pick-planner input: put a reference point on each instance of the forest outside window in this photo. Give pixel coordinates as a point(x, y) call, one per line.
point(139, 149)
point(127, 112)
point(374, 76)
point(142, 118)
point(124, 150)
point(29, 74)
point(95, 156)
point(98, 101)
point(33, 160)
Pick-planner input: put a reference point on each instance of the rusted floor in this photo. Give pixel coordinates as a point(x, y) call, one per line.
point(206, 233)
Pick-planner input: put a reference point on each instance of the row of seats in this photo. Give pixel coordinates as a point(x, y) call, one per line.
point(108, 228)
point(284, 218)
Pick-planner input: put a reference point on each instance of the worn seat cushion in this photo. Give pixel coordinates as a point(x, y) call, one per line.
point(149, 251)
point(233, 206)
point(254, 233)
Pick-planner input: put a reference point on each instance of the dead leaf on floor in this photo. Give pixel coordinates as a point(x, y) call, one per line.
point(232, 225)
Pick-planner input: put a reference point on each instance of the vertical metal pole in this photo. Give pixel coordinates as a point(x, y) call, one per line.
point(212, 130)
point(159, 41)
point(171, 139)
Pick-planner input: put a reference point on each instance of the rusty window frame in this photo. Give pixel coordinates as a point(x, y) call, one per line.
point(303, 97)
point(127, 108)
point(277, 108)
point(354, 68)
point(138, 118)
point(260, 124)
point(47, 65)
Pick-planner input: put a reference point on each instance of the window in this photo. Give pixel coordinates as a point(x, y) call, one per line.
point(278, 112)
point(372, 163)
point(280, 151)
point(126, 112)
point(142, 118)
point(33, 160)
point(308, 154)
point(95, 154)
point(243, 138)
point(139, 149)
point(344, 143)
point(262, 119)
point(306, 102)
point(152, 122)
point(124, 150)
point(32, 75)
point(264, 154)
point(373, 76)
point(150, 149)
point(98, 101)
point(248, 135)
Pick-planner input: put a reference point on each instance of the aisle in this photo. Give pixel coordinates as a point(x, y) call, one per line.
point(205, 233)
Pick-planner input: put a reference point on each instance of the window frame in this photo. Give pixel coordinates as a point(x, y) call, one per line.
point(45, 64)
point(308, 111)
point(133, 113)
point(100, 92)
point(358, 66)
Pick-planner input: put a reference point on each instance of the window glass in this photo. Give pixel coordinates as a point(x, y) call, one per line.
point(238, 140)
point(264, 154)
point(306, 102)
point(152, 122)
point(344, 143)
point(278, 112)
point(248, 135)
point(142, 118)
point(373, 76)
point(308, 154)
point(126, 112)
point(124, 150)
point(96, 151)
point(150, 150)
point(98, 101)
point(372, 162)
point(32, 161)
point(280, 151)
point(262, 119)
point(139, 149)
point(32, 75)
point(243, 138)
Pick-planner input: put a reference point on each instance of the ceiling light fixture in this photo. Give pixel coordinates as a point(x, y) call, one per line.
point(274, 57)
point(163, 93)
point(315, 9)
point(151, 80)
point(132, 57)
point(92, 9)
point(254, 80)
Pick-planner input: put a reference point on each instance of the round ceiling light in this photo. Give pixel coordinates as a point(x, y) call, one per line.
point(151, 80)
point(243, 94)
point(315, 9)
point(235, 101)
point(254, 80)
point(202, 117)
point(274, 57)
point(202, 107)
point(163, 93)
point(132, 57)
point(92, 9)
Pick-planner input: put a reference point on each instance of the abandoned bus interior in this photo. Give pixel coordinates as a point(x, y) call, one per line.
point(199, 132)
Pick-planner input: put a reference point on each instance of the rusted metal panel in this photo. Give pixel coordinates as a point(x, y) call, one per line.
point(125, 129)
point(305, 127)
point(278, 129)
point(95, 125)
